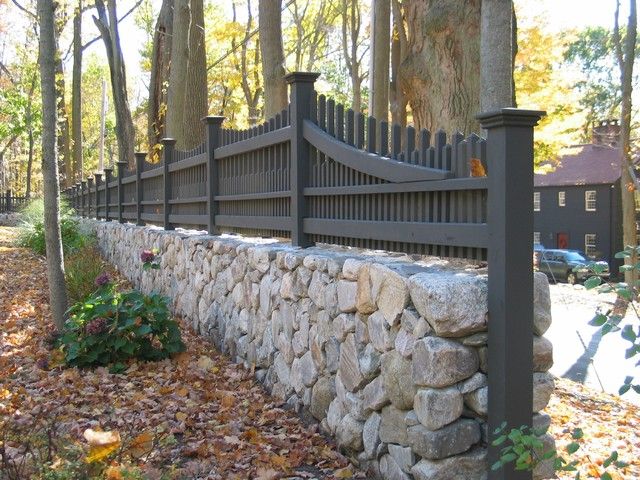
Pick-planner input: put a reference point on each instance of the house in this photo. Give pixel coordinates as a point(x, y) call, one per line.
point(577, 205)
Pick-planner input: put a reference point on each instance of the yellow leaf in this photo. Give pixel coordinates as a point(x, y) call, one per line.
point(343, 473)
point(98, 438)
point(181, 416)
point(100, 452)
point(113, 473)
point(183, 392)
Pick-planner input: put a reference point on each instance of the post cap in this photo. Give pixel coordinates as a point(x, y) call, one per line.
point(121, 163)
point(213, 119)
point(517, 117)
point(168, 141)
point(301, 77)
point(108, 170)
point(97, 175)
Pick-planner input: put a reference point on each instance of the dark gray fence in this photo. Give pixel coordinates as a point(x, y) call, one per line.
point(319, 172)
point(11, 203)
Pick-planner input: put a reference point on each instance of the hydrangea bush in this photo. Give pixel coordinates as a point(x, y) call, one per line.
point(110, 327)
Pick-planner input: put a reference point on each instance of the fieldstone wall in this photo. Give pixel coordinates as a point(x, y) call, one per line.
point(389, 355)
point(10, 219)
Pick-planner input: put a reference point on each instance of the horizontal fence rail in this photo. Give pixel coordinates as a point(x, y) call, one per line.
point(12, 203)
point(321, 173)
point(317, 172)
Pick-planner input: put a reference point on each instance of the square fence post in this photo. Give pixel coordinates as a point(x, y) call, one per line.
point(140, 156)
point(8, 202)
point(121, 166)
point(510, 268)
point(89, 188)
point(168, 151)
point(83, 199)
point(108, 176)
point(300, 98)
point(76, 195)
point(98, 177)
point(213, 130)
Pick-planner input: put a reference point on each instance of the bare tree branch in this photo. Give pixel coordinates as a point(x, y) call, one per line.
point(28, 12)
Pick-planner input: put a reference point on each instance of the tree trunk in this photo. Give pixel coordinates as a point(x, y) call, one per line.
point(270, 31)
point(397, 99)
point(351, 24)
point(107, 23)
point(497, 53)
point(379, 70)
point(63, 122)
point(187, 95)
point(440, 74)
point(160, 63)
point(29, 164)
point(53, 239)
point(76, 93)
point(196, 105)
point(626, 56)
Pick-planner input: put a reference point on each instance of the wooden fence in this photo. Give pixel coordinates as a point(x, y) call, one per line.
point(11, 203)
point(319, 172)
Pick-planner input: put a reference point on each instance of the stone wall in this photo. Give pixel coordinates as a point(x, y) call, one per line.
point(9, 219)
point(389, 355)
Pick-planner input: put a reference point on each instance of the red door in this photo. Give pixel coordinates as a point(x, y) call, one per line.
point(563, 240)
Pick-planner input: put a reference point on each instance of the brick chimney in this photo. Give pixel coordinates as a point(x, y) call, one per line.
point(606, 132)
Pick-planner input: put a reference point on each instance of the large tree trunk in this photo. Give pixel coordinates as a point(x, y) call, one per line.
point(626, 56)
point(251, 90)
point(187, 96)
point(160, 63)
point(53, 239)
point(197, 105)
point(440, 74)
point(351, 23)
point(76, 93)
point(497, 53)
point(270, 30)
point(379, 70)
point(397, 99)
point(107, 23)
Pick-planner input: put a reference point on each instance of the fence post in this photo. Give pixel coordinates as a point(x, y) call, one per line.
point(76, 195)
point(139, 166)
point(300, 98)
point(89, 187)
point(169, 145)
point(98, 182)
point(213, 128)
point(108, 176)
point(121, 168)
point(8, 202)
point(510, 268)
point(83, 187)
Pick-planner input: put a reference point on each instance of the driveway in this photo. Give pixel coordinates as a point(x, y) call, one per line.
point(580, 352)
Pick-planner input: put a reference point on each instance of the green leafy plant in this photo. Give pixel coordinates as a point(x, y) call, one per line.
point(110, 327)
point(150, 259)
point(80, 271)
point(523, 447)
point(609, 320)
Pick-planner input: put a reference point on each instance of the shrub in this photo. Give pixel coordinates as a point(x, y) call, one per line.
point(110, 327)
point(80, 270)
point(31, 229)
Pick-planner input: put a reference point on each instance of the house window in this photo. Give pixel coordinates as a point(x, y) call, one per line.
point(536, 237)
point(536, 201)
point(590, 244)
point(590, 200)
point(561, 199)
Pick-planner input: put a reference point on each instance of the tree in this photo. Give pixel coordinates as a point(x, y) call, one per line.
point(107, 23)
point(53, 238)
point(397, 99)
point(272, 51)
point(441, 69)
point(593, 52)
point(626, 54)
point(76, 93)
point(498, 46)
point(353, 54)
point(379, 69)
point(160, 64)
point(187, 94)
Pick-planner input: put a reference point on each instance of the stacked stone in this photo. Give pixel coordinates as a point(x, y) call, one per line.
point(389, 356)
point(9, 219)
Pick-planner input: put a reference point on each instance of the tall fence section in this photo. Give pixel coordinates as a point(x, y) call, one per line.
point(11, 203)
point(320, 172)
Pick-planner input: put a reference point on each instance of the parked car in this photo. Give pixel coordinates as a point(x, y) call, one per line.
point(570, 266)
